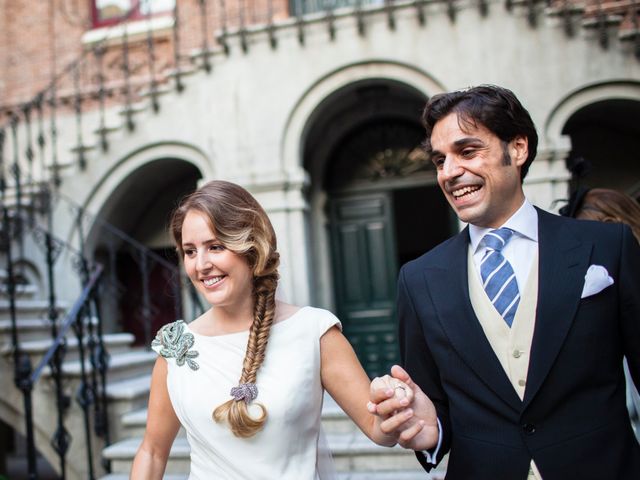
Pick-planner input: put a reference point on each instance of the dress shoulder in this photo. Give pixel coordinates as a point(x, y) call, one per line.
point(324, 319)
point(174, 341)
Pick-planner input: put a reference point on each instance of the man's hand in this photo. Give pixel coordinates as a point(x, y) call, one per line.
point(404, 413)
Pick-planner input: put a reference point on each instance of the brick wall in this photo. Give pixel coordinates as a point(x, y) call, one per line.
point(40, 36)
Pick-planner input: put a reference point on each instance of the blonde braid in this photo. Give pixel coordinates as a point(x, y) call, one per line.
point(236, 412)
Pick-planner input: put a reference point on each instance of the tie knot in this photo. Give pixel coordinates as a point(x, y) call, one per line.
point(497, 239)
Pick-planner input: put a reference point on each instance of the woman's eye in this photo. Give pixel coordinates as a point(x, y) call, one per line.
point(217, 248)
point(189, 252)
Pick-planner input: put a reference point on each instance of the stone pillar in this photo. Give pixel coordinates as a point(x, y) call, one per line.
point(547, 182)
point(283, 200)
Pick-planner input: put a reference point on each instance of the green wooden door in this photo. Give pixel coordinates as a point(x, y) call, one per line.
point(365, 269)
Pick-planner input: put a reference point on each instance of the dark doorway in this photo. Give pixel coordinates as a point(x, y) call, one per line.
point(422, 221)
point(603, 138)
point(144, 312)
point(373, 235)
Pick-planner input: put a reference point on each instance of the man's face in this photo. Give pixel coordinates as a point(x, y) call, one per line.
point(473, 174)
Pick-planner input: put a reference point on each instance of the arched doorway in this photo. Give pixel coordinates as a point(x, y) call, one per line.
point(141, 280)
point(603, 153)
point(379, 203)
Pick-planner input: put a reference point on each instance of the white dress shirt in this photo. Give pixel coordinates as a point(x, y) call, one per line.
point(521, 248)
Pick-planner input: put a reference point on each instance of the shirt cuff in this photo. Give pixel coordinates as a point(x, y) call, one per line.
point(431, 455)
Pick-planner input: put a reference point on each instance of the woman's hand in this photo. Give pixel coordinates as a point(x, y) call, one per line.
point(403, 411)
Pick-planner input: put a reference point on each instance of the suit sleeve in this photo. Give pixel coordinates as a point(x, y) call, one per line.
point(420, 365)
point(630, 301)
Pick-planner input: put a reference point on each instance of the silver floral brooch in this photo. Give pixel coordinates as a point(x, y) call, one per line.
point(175, 343)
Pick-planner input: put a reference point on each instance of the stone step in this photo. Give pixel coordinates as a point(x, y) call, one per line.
point(368, 475)
point(129, 388)
point(33, 329)
point(23, 291)
point(121, 455)
point(124, 396)
point(334, 420)
point(122, 366)
point(394, 475)
point(124, 476)
point(28, 329)
point(352, 452)
point(115, 343)
point(27, 308)
point(27, 191)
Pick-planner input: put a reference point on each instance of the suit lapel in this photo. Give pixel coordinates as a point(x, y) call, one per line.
point(448, 284)
point(563, 262)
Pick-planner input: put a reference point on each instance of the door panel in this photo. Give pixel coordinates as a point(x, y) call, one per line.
point(365, 270)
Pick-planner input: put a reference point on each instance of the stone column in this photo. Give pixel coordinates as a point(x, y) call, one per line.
point(283, 200)
point(547, 182)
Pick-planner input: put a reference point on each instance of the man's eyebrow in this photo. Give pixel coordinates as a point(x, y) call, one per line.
point(460, 144)
point(463, 142)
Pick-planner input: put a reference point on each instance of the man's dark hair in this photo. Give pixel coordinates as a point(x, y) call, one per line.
point(496, 108)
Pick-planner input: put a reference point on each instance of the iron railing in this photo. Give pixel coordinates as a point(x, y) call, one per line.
point(85, 320)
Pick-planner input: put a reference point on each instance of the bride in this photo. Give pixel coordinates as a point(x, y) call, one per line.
point(246, 378)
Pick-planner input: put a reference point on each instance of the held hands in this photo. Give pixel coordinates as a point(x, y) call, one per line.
point(403, 411)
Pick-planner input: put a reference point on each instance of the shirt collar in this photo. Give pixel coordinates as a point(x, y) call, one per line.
point(524, 223)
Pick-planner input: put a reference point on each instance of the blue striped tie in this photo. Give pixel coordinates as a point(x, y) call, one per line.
point(498, 278)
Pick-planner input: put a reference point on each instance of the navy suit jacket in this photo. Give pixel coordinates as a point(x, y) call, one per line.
point(573, 420)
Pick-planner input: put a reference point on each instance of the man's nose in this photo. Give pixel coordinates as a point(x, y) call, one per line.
point(451, 168)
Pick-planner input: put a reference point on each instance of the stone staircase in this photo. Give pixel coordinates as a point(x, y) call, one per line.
point(34, 333)
point(355, 456)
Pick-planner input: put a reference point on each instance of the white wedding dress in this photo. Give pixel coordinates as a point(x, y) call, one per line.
point(201, 372)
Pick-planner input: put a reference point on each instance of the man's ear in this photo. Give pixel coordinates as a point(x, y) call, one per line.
point(519, 150)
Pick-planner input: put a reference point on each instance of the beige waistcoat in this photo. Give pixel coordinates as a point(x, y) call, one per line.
point(512, 345)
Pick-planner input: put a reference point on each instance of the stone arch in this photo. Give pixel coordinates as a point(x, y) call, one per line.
point(302, 114)
point(574, 101)
point(597, 126)
point(110, 181)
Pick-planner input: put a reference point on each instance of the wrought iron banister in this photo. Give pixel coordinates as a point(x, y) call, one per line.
point(71, 317)
point(52, 358)
point(92, 388)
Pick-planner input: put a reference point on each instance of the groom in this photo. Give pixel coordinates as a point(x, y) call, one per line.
point(515, 328)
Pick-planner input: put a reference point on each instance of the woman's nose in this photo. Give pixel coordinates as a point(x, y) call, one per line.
point(203, 262)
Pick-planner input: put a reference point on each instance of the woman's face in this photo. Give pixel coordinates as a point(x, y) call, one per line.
point(224, 278)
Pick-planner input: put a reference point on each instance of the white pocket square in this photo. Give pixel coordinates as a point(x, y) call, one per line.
point(596, 280)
